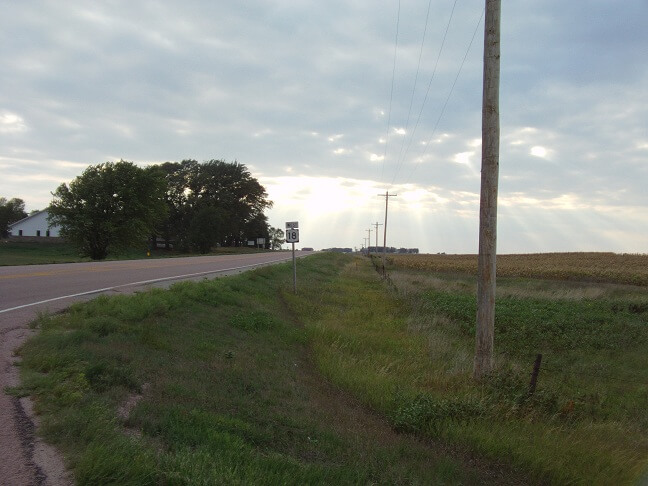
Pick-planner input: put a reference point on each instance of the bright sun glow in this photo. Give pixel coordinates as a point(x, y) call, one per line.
point(539, 151)
point(321, 195)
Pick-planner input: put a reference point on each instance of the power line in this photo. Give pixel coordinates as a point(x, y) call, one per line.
point(445, 104)
point(418, 68)
point(427, 92)
point(391, 94)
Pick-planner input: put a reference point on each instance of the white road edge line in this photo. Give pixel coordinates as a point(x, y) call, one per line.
point(97, 291)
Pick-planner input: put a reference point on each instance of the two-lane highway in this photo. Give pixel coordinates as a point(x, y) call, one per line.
point(37, 285)
point(27, 290)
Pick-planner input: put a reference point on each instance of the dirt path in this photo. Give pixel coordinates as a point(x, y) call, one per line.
point(25, 459)
point(349, 417)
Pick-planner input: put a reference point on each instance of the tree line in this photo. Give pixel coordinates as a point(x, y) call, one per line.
point(11, 210)
point(186, 205)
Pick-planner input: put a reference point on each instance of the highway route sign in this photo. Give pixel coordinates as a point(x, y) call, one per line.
point(292, 225)
point(292, 236)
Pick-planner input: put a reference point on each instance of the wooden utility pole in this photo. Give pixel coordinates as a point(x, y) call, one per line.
point(376, 224)
point(485, 333)
point(368, 241)
point(386, 196)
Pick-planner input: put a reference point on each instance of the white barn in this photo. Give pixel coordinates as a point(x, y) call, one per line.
point(34, 225)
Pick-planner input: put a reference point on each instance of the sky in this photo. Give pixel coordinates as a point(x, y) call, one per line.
point(330, 104)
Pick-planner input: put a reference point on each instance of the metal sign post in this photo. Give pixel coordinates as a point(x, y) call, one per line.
point(294, 270)
point(292, 236)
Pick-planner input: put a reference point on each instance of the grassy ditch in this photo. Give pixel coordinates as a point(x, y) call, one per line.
point(240, 381)
point(214, 383)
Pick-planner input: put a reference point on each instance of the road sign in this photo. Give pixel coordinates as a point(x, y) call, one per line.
point(292, 225)
point(292, 236)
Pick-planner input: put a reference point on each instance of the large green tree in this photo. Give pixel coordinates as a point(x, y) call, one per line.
point(174, 229)
point(109, 207)
point(206, 229)
point(11, 210)
point(226, 186)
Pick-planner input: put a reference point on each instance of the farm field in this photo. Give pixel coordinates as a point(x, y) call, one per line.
point(596, 267)
point(353, 380)
point(581, 313)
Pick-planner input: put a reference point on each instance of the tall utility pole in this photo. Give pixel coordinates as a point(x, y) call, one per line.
point(368, 240)
point(485, 332)
point(376, 224)
point(386, 196)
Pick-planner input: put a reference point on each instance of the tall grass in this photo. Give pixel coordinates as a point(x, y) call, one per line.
point(409, 355)
point(223, 389)
point(241, 381)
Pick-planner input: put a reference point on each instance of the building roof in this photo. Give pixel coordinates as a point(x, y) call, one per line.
point(33, 215)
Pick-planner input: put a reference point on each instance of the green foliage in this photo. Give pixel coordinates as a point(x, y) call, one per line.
point(228, 188)
point(409, 355)
point(432, 415)
point(254, 321)
point(227, 393)
point(277, 238)
point(34, 253)
point(110, 207)
point(526, 325)
point(11, 210)
point(206, 229)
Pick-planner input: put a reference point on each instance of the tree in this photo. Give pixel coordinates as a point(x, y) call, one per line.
point(175, 227)
point(228, 187)
point(257, 228)
point(10, 211)
point(276, 238)
point(109, 207)
point(206, 229)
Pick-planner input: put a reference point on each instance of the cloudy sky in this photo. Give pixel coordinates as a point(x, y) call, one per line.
point(311, 97)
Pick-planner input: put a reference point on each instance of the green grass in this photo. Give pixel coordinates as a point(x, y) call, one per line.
point(587, 423)
point(348, 382)
point(35, 253)
point(228, 392)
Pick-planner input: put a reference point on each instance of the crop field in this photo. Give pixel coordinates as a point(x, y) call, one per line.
point(595, 267)
point(587, 422)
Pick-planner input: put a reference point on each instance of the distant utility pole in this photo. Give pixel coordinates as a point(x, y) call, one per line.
point(368, 240)
point(485, 332)
point(386, 196)
point(376, 224)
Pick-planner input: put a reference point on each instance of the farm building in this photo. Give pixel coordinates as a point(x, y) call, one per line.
point(34, 225)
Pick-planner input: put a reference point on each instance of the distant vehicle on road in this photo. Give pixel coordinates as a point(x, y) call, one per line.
point(306, 248)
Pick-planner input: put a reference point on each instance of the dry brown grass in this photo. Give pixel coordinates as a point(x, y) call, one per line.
point(629, 269)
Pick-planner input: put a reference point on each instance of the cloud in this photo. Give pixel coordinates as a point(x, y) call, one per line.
point(306, 87)
point(11, 123)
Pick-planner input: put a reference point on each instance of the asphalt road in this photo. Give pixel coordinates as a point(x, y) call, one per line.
point(25, 291)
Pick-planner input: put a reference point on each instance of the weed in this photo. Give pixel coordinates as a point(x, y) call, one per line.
point(231, 395)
